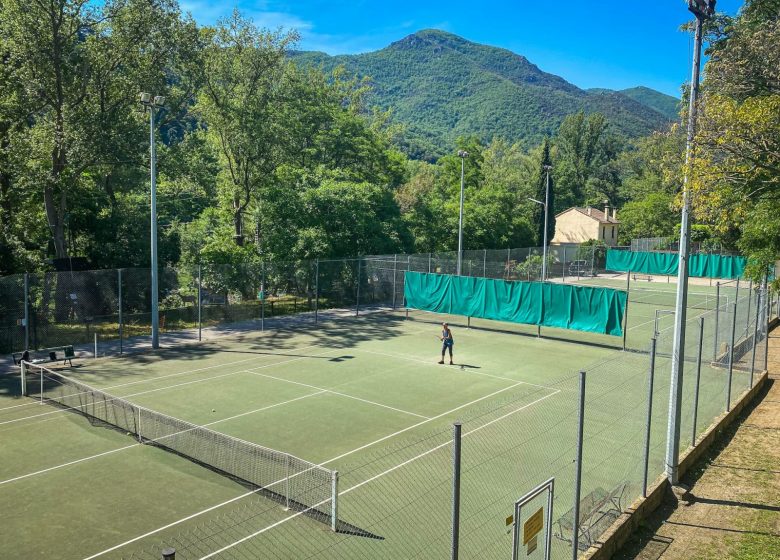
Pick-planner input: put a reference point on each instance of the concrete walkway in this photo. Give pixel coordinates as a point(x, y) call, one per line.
point(733, 508)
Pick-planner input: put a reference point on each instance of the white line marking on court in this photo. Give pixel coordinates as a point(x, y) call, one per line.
point(466, 370)
point(98, 455)
point(375, 477)
point(175, 385)
point(241, 496)
point(42, 471)
point(340, 394)
point(151, 379)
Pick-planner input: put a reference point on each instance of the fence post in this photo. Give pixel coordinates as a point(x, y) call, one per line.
point(316, 291)
point(578, 471)
point(484, 264)
point(747, 318)
point(119, 291)
point(357, 298)
point(649, 420)
point(731, 356)
point(23, 365)
point(736, 297)
point(169, 554)
point(200, 305)
point(765, 326)
point(755, 338)
point(26, 311)
point(429, 263)
point(508, 259)
point(592, 260)
point(456, 442)
point(262, 301)
point(96, 346)
point(698, 382)
point(717, 321)
point(334, 502)
point(625, 311)
point(563, 267)
point(395, 276)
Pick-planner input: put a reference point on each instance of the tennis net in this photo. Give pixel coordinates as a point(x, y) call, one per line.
point(665, 298)
point(296, 483)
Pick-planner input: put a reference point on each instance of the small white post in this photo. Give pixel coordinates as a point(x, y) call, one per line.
point(334, 510)
point(24, 377)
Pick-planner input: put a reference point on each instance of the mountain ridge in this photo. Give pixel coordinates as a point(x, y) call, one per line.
point(441, 86)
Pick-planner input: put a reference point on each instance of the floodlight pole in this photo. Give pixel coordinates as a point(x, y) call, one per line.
point(462, 154)
point(152, 105)
point(547, 169)
point(702, 9)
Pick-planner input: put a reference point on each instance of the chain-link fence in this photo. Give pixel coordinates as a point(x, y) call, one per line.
point(109, 311)
point(601, 435)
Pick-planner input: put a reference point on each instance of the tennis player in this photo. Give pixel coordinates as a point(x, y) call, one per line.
point(447, 341)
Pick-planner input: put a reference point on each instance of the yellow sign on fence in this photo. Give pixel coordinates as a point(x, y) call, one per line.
point(534, 524)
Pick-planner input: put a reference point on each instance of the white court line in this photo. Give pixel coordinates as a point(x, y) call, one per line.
point(152, 379)
point(375, 477)
point(241, 496)
point(341, 394)
point(466, 370)
point(125, 397)
point(137, 444)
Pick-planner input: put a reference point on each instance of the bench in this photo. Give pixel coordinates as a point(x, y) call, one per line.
point(65, 354)
point(598, 510)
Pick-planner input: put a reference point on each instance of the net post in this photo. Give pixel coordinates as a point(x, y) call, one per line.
point(457, 429)
point(717, 321)
point(649, 418)
point(731, 356)
point(755, 339)
point(119, 304)
point(395, 276)
point(316, 291)
point(468, 322)
point(41, 371)
point(698, 382)
point(357, 299)
point(578, 470)
point(625, 312)
point(138, 426)
point(200, 304)
point(23, 372)
point(26, 311)
point(287, 482)
point(334, 503)
point(262, 296)
point(168, 553)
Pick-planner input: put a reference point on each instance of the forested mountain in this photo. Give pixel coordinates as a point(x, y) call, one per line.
point(442, 86)
point(665, 104)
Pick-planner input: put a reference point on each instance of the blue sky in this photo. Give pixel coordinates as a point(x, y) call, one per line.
point(592, 43)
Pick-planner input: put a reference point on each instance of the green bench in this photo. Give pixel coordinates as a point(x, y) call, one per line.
point(64, 354)
point(598, 510)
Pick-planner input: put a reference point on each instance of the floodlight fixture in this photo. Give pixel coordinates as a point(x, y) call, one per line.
point(145, 98)
point(159, 101)
point(702, 8)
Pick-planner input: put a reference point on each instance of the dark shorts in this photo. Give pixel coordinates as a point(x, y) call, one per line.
point(447, 344)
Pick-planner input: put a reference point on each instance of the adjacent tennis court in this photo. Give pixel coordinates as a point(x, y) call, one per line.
point(363, 396)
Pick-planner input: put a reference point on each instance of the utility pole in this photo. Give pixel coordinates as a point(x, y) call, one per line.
point(702, 9)
point(153, 105)
point(462, 154)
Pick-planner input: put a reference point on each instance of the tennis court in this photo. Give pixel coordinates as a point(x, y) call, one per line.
point(363, 396)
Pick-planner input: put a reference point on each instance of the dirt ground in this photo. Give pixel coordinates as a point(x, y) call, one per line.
point(733, 510)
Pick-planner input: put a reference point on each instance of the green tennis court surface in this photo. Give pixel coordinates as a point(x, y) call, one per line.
point(363, 396)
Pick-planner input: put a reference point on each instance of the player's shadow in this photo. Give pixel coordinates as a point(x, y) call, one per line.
point(468, 366)
point(340, 358)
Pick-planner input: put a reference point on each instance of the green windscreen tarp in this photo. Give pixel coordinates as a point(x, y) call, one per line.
point(700, 266)
point(565, 306)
